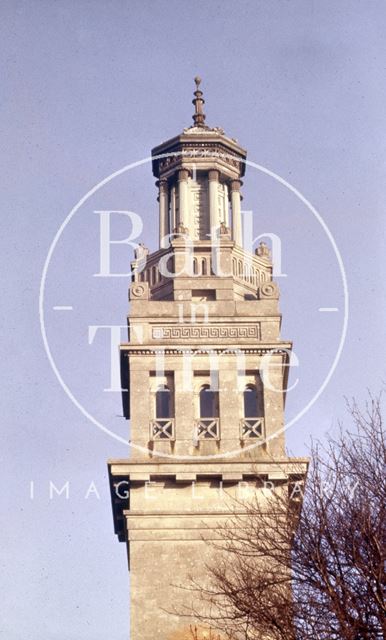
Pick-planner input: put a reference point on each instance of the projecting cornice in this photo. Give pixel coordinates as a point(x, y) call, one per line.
point(179, 350)
point(204, 150)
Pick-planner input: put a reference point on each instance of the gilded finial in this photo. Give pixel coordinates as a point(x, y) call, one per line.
point(199, 115)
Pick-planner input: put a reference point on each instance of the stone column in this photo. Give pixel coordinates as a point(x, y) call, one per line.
point(184, 198)
point(213, 200)
point(236, 212)
point(173, 209)
point(226, 205)
point(163, 212)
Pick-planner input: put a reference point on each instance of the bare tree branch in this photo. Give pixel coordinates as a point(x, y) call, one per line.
point(282, 572)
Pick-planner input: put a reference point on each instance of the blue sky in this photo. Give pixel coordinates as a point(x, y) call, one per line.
point(89, 87)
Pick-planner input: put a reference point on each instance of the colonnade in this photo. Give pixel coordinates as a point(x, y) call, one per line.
point(167, 200)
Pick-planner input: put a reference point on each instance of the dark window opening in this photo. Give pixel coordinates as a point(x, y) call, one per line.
point(163, 405)
point(209, 403)
point(253, 402)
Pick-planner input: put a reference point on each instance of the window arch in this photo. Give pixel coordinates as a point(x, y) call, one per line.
point(163, 403)
point(209, 402)
point(253, 401)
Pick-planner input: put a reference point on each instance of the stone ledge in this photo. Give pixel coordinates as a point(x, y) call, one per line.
point(220, 468)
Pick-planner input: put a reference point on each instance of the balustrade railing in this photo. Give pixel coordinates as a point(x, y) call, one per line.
point(162, 429)
point(251, 428)
point(207, 429)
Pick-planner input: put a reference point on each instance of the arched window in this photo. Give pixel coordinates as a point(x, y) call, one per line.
point(209, 402)
point(163, 404)
point(195, 268)
point(253, 401)
point(203, 267)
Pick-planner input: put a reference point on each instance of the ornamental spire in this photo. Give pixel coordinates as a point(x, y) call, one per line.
point(199, 116)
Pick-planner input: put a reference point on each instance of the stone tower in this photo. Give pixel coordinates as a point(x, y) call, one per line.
point(205, 373)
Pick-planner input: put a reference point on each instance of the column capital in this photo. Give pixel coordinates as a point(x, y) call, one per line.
point(236, 184)
point(162, 184)
point(183, 174)
point(214, 174)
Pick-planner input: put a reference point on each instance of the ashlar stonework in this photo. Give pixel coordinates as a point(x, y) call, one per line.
point(205, 371)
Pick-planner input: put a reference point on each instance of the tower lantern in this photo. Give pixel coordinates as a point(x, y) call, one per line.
point(199, 178)
point(204, 373)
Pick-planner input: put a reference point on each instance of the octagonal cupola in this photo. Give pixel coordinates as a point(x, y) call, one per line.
point(199, 177)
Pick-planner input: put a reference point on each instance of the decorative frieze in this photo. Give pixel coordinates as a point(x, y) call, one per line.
point(199, 150)
point(128, 350)
point(206, 332)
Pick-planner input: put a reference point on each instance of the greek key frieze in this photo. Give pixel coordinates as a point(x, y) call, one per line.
point(206, 332)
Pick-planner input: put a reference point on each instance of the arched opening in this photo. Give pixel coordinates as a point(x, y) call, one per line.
point(209, 402)
point(163, 404)
point(195, 267)
point(253, 401)
point(203, 267)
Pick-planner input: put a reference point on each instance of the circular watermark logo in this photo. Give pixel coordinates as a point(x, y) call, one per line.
point(80, 314)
